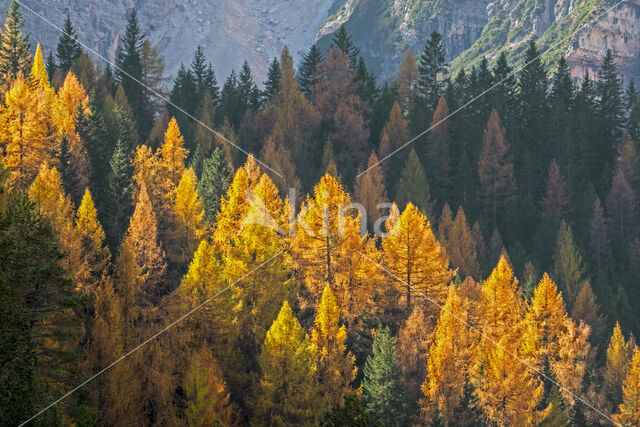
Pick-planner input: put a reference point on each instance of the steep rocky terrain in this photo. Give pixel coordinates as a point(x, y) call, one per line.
point(257, 30)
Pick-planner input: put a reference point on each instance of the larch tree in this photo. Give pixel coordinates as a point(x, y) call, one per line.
point(598, 235)
point(15, 59)
point(286, 392)
point(279, 157)
point(567, 264)
point(207, 399)
point(370, 191)
point(327, 248)
point(38, 74)
point(556, 200)
point(626, 160)
point(171, 156)
point(48, 194)
point(382, 394)
point(394, 135)
point(415, 258)
point(622, 212)
point(445, 224)
point(189, 212)
point(617, 364)
point(414, 338)
point(495, 169)
point(142, 237)
point(629, 411)
point(437, 152)
point(461, 247)
point(449, 359)
point(25, 134)
point(586, 309)
point(413, 186)
point(407, 81)
point(335, 369)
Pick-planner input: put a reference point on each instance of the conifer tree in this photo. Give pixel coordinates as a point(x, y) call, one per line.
point(414, 256)
point(287, 390)
point(273, 83)
point(279, 157)
point(25, 136)
point(92, 132)
point(207, 398)
point(213, 183)
point(449, 358)
point(617, 364)
point(497, 184)
point(334, 365)
point(68, 49)
point(370, 191)
point(556, 200)
point(394, 135)
point(51, 65)
point(307, 73)
point(407, 82)
point(432, 67)
point(15, 59)
point(38, 74)
point(119, 192)
point(382, 394)
point(598, 236)
point(95, 254)
point(610, 105)
point(586, 309)
point(170, 166)
point(445, 224)
point(627, 161)
point(633, 112)
point(342, 40)
point(189, 211)
point(622, 212)
point(437, 154)
point(413, 186)
point(629, 411)
point(567, 264)
point(461, 247)
point(327, 248)
point(129, 71)
point(142, 237)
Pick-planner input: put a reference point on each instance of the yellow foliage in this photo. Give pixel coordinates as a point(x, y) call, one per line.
point(617, 362)
point(171, 155)
point(95, 255)
point(39, 74)
point(71, 96)
point(335, 366)
point(629, 412)
point(413, 255)
point(24, 133)
point(189, 212)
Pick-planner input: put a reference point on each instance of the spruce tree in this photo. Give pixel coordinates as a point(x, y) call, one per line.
point(413, 186)
point(51, 65)
point(68, 49)
point(129, 72)
point(432, 67)
point(184, 102)
point(611, 105)
point(272, 85)
point(307, 74)
point(119, 187)
point(382, 393)
point(213, 183)
point(561, 101)
point(342, 40)
point(633, 112)
point(248, 90)
point(15, 58)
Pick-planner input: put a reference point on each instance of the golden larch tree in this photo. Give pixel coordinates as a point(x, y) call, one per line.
point(142, 237)
point(47, 193)
point(414, 256)
point(335, 369)
point(171, 155)
point(327, 248)
point(95, 255)
point(407, 81)
point(629, 412)
point(394, 135)
point(39, 75)
point(25, 136)
point(286, 393)
point(461, 247)
point(449, 358)
point(617, 363)
point(370, 191)
point(189, 213)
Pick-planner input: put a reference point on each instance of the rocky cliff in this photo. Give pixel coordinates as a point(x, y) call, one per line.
point(231, 31)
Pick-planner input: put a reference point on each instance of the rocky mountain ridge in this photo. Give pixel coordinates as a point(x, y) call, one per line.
point(231, 31)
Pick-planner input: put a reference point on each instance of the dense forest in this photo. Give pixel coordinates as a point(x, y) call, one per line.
point(280, 254)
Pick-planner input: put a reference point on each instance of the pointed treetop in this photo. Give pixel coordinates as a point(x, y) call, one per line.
point(68, 49)
point(39, 72)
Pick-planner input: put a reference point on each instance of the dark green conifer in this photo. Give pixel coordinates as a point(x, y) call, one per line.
point(68, 49)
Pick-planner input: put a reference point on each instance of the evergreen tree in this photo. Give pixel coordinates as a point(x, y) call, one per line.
point(432, 67)
point(248, 91)
point(437, 159)
point(561, 101)
point(568, 270)
point(130, 73)
point(119, 193)
point(15, 58)
point(532, 112)
point(307, 73)
point(68, 49)
point(611, 106)
point(342, 40)
point(51, 65)
point(413, 185)
point(556, 201)
point(184, 101)
point(213, 184)
point(382, 394)
point(633, 111)
point(272, 85)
